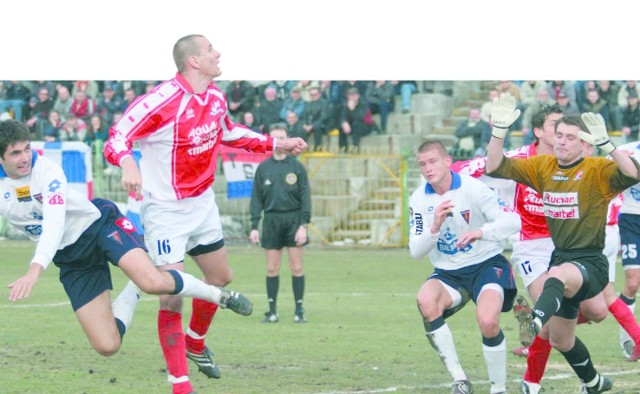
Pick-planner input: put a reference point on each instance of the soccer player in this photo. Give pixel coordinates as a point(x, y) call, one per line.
point(629, 226)
point(533, 248)
point(281, 190)
point(575, 193)
point(80, 237)
point(179, 127)
point(460, 222)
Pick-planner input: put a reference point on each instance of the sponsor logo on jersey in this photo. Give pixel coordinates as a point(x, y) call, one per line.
point(190, 113)
point(498, 271)
point(203, 138)
point(531, 196)
point(33, 229)
point(562, 212)
point(54, 185)
point(56, 199)
point(23, 194)
point(419, 222)
point(635, 193)
point(38, 197)
point(560, 198)
point(267, 182)
point(447, 244)
point(7, 195)
point(560, 178)
point(126, 225)
point(561, 205)
point(532, 202)
point(291, 178)
point(200, 134)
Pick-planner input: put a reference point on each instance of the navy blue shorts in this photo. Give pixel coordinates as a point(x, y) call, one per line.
point(497, 270)
point(629, 225)
point(84, 268)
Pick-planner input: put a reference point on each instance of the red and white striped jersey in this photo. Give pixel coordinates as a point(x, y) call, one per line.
point(526, 202)
point(179, 134)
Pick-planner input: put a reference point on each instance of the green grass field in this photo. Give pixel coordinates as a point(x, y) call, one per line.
point(364, 335)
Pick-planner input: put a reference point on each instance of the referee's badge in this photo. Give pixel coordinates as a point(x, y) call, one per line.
point(291, 178)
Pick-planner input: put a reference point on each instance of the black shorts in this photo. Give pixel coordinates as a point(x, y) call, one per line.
point(595, 273)
point(84, 268)
point(279, 229)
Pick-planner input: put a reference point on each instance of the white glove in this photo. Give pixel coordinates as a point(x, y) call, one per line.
point(598, 129)
point(503, 114)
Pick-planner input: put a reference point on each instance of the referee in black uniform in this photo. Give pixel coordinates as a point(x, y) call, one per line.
point(281, 190)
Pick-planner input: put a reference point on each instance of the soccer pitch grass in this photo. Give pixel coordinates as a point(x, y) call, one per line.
point(364, 335)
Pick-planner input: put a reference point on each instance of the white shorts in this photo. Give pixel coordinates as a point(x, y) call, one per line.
point(611, 249)
point(531, 258)
point(172, 228)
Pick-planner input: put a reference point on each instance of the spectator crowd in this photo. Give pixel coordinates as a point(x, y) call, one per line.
point(84, 110)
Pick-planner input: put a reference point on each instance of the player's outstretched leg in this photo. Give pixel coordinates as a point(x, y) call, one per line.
point(236, 302)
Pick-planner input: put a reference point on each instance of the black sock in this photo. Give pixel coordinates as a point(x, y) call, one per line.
point(495, 341)
point(627, 300)
point(550, 300)
point(121, 328)
point(297, 283)
point(273, 284)
point(580, 360)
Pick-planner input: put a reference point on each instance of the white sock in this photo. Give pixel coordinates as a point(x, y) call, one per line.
point(442, 342)
point(195, 288)
point(125, 304)
point(496, 359)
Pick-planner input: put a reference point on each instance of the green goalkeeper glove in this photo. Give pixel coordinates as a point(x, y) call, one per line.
point(598, 129)
point(503, 114)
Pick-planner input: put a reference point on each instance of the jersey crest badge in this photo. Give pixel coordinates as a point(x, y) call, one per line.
point(115, 236)
point(578, 176)
point(466, 215)
point(291, 178)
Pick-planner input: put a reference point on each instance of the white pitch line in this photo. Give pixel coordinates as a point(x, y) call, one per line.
point(448, 385)
point(154, 298)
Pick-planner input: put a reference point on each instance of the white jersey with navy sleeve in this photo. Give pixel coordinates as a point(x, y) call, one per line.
point(476, 206)
point(631, 196)
point(45, 208)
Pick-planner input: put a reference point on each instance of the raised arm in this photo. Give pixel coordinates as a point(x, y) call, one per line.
point(598, 136)
point(503, 114)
